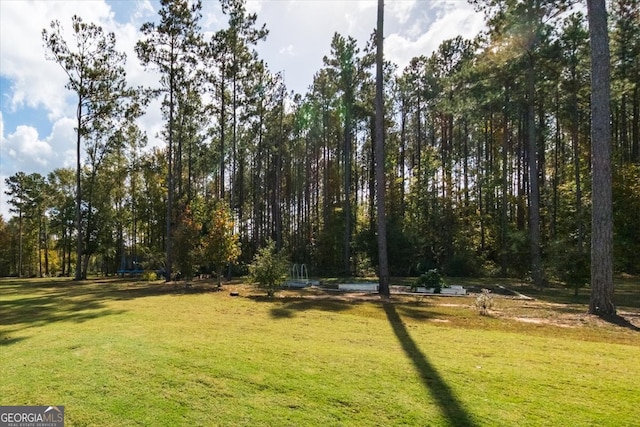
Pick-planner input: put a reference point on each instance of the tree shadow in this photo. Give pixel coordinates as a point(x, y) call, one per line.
point(7, 337)
point(449, 404)
point(287, 307)
point(48, 305)
point(281, 313)
point(621, 321)
point(419, 313)
point(26, 303)
point(299, 300)
point(8, 341)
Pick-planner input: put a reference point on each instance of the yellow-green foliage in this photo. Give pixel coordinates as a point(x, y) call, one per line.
point(221, 245)
point(149, 276)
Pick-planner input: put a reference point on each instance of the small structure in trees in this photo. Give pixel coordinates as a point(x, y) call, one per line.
point(298, 276)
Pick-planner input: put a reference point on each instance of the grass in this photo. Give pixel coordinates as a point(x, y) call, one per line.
point(117, 352)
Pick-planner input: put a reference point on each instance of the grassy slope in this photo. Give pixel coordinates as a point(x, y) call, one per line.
point(118, 353)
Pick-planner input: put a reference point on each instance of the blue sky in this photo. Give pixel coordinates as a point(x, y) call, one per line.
point(36, 111)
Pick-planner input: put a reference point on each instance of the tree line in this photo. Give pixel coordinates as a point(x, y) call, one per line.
point(487, 161)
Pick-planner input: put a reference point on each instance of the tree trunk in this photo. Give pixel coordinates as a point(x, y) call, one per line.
point(78, 195)
point(169, 212)
point(39, 245)
point(372, 172)
point(402, 161)
point(277, 189)
point(222, 130)
point(575, 145)
point(46, 247)
point(556, 167)
point(601, 302)
point(64, 252)
point(383, 263)
point(20, 242)
point(69, 249)
point(534, 191)
point(347, 189)
point(234, 129)
point(635, 126)
point(504, 258)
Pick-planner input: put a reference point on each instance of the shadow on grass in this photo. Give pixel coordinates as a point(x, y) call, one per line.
point(299, 300)
point(26, 303)
point(49, 309)
point(439, 390)
point(287, 307)
point(330, 301)
point(6, 341)
point(620, 321)
point(9, 336)
point(627, 293)
point(420, 313)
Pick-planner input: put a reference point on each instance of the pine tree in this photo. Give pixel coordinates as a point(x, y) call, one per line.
point(96, 75)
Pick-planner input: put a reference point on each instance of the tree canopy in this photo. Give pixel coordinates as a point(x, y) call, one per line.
point(486, 169)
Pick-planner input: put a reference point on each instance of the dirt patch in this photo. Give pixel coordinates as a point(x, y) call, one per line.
point(527, 320)
point(510, 306)
point(630, 320)
point(540, 321)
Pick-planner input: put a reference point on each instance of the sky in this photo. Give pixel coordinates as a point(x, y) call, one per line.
point(36, 110)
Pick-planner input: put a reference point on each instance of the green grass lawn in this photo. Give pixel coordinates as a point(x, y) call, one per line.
point(119, 353)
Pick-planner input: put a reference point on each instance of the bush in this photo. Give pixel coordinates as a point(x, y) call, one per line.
point(149, 276)
point(430, 279)
point(270, 268)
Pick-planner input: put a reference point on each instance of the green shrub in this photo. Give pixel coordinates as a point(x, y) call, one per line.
point(270, 268)
point(430, 279)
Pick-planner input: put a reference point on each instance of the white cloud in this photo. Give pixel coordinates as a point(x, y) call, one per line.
point(456, 19)
point(308, 26)
point(30, 148)
point(24, 150)
point(212, 17)
point(401, 9)
point(37, 82)
point(63, 139)
point(153, 123)
point(287, 50)
point(20, 151)
point(254, 6)
point(144, 10)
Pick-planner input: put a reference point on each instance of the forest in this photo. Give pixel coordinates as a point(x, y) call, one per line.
point(487, 160)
